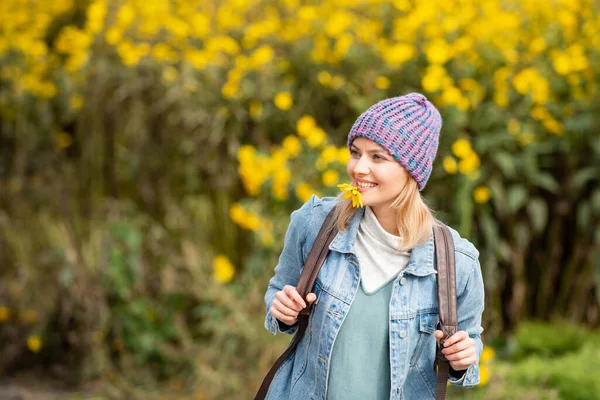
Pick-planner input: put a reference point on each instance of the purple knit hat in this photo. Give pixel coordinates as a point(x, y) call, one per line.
point(408, 127)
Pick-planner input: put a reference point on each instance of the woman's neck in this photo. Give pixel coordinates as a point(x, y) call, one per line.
point(387, 219)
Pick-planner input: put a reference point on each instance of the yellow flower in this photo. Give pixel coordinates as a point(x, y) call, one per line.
point(324, 78)
point(316, 138)
point(553, 126)
point(223, 270)
point(469, 164)
point(461, 148)
point(352, 191)
point(267, 239)
point(291, 144)
point(450, 165)
point(484, 375)
point(487, 354)
point(283, 101)
point(481, 194)
point(4, 314)
point(304, 191)
point(262, 56)
point(330, 177)
point(305, 125)
point(34, 343)
point(255, 109)
point(343, 155)
point(382, 82)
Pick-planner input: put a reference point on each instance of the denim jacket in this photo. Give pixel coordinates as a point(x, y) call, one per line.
point(413, 309)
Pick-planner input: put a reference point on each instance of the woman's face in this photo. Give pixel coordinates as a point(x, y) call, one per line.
point(379, 177)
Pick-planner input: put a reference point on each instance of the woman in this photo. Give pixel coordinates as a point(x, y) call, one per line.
point(372, 332)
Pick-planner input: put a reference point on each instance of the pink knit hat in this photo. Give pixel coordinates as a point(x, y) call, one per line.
point(408, 127)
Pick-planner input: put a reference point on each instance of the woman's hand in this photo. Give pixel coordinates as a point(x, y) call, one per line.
point(459, 349)
point(288, 303)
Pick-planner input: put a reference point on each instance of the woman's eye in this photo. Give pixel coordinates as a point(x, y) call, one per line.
point(353, 152)
point(378, 157)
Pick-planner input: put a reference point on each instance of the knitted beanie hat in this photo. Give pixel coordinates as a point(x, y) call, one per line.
point(408, 127)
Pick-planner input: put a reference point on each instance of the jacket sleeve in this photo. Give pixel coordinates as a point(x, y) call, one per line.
point(470, 305)
point(291, 262)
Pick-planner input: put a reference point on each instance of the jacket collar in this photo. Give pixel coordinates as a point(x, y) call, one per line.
point(421, 257)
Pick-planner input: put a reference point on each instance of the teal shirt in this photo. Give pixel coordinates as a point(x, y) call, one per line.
point(360, 359)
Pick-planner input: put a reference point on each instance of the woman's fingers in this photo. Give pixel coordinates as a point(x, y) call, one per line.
point(282, 317)
point(284, 310)
point(293, 294)
point(287, 301)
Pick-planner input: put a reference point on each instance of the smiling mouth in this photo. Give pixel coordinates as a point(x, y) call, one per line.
point(363, 187)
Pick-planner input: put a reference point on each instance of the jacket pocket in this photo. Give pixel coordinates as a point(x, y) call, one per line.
point(427, 323)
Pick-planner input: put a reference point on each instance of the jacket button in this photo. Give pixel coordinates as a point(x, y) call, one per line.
point(403, 281)
point(403, 333)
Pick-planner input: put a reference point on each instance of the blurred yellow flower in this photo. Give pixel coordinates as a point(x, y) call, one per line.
point(438, 51)
point(343, 155)
point(291, 144)
point(330, 177)
point(262, 56)
point(267, 239)
point(283, 101)
point(337, 82)
point(246, 153)
point(324, 78)
point(488, 354)
point(484, 375)
point(481, 194)
point(255, 110)
point(469, 163)
point(450, 165)
point(304, 191)
point(4, 313)
point(305, 125)
point(223, 270)
point(34, 343)
point(398, 54)
point(553, 126)
point(382, 83)
point(316, 138)
point(461, 148)
point(514, 127)
point(352, 191)
point(76, 102)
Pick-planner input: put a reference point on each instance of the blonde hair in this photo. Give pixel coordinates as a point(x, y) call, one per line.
point(414, 218)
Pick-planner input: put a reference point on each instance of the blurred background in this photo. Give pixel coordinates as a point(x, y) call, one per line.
point(152, 151)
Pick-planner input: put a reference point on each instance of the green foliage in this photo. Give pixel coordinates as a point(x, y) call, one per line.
point(550, 340)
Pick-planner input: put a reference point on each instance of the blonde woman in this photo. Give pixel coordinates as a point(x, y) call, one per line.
point(373, 328)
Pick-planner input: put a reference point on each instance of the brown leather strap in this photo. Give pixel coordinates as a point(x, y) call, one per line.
point(308, 276)
point(446, 280)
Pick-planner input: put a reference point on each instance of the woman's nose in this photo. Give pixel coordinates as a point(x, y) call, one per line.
point(361, 167)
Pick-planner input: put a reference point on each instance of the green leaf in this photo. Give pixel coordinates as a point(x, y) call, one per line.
point(517, 195)
point(498, 195)
point(522, 234)
point(596, 201)
point(506, 163)
point(583, 176)
point(584, 214)
point(538, 214)
point(546, 181)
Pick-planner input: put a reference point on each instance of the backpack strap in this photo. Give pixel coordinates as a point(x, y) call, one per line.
point(446, 280)
point(308, 276)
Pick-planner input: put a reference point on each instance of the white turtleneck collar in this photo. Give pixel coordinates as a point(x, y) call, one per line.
point(377, 251)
